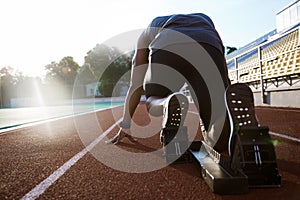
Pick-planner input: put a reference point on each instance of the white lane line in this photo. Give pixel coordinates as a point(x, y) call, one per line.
point(5, 131)
point(278, 109)
point(285, 136)
point(270, 132)
point(45, 184)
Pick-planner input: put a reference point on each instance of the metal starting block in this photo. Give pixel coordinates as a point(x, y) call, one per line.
point(215, 170)
point(251, 159)
point(254, 154)
point(253, 163)
point(175, 144)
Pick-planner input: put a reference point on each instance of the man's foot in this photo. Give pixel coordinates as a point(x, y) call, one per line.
point(117, 138)
point(240, 106)
point(175, 110)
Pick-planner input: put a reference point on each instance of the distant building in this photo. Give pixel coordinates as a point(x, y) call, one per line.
point(92, 89)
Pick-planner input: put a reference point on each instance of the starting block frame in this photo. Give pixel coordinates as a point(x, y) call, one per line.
point(218, 178)
point(253, 163)
point(221, 179)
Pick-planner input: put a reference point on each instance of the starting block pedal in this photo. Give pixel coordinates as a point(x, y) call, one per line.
point(175, 144)
point(254, 154)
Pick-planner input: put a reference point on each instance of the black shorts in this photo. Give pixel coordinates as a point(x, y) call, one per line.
point(181, 71)
point(171, 81)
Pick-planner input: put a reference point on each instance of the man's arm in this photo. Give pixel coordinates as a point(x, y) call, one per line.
point(139, 68)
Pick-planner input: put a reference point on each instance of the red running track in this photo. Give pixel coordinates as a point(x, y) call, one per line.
point(31, 155)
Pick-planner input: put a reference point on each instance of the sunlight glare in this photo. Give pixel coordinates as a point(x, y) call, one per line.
point(39, 101)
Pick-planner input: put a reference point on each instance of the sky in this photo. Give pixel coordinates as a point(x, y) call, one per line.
point(36, 32)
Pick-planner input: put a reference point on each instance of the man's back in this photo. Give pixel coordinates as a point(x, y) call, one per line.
point(197, 26)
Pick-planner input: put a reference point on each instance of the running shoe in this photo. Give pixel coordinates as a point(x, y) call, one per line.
point(175, 110)
point(240, 107)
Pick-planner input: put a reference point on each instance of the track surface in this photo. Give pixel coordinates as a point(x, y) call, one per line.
point(30, 155)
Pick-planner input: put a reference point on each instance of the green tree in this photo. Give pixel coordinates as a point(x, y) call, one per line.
point(115, 75)
point(97, 60)
point(108, 65)
point(60, 78)
point(86, 75)
point(63, 72)
point(7, 86)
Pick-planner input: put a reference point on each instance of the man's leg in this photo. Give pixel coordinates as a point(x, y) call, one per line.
point(201, 92)
point(174, 108)
point(155, 105)
point(161, 89)
point(199, 89)
point(173, 135)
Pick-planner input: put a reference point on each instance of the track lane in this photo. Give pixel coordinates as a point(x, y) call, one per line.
point(45, 184)
point(90, 179)
point(31, 154)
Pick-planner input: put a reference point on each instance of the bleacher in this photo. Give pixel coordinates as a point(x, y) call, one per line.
point(274, 56)
point(282, 58)
point(278, 58)
point(270, 65)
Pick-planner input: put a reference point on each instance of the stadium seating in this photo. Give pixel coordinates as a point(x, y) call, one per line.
point(279, 57)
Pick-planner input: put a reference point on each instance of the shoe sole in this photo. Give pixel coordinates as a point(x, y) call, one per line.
point(176, 111)
point(240, 107)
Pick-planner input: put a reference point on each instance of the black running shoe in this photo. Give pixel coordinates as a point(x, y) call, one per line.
point(240, 107)
point(175, 110)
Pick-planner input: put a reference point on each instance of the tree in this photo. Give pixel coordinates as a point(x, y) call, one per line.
point(60, 78)
point(115, 73)
point(86, 75)
point(108, 65)
point(63, 72)
point(97, 60)
point(7, 86)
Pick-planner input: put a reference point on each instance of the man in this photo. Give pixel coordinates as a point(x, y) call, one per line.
point(161, 68)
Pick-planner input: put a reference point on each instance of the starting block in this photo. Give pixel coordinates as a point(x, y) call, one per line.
point(252, 164)
point(215, 170)
point(250, 160)
point(175, 144)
